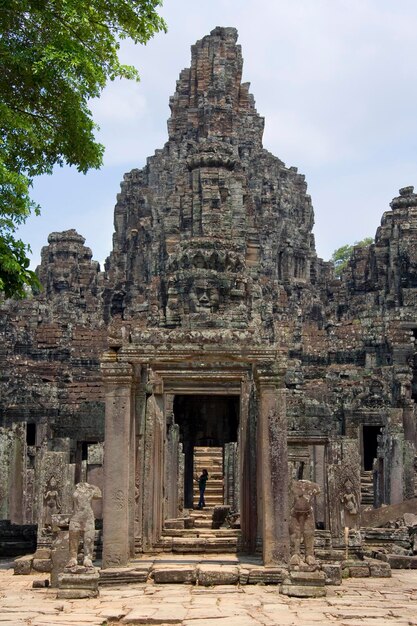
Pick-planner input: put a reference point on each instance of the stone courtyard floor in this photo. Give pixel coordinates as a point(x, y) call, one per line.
point(360, 601)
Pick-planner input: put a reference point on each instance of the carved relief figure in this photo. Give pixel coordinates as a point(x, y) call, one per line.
point(204, 297)
point(302, 523)
point(51, 501)
point(82, 524)
point(350, 504)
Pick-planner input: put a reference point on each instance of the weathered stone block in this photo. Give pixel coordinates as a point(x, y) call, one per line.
point(42, 565)
point(76, 586)
point(332, 572)
point(208, 575)
point(379, 569)
point(304, 584)
point(359, 571)
point(174, 524)
point(301, 591)
point(174, 574)
point(267, 575)
point(398, 561)
point(23, 565)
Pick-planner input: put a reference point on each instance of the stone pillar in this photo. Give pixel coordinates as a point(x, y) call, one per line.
point(334, 460)
point(153, 491)
point(396, 468)
point(273, 465)
point(247, 467)
point(181, 466)
point(117, 459)
point(171, 459)
point(230, 475)
point(140, 414)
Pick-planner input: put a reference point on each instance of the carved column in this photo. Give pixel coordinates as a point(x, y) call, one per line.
point(117, 500)
point(273, 465)
point(247, 467)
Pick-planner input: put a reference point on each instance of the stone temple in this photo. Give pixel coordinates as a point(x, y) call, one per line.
point(215, 337)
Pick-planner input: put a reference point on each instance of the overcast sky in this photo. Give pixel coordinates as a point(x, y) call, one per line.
point(336, 81)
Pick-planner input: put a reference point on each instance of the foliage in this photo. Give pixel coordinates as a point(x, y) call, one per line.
point(55, 55)
point(341, 256)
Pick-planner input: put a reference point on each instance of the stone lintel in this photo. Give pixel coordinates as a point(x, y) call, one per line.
point(117, 374)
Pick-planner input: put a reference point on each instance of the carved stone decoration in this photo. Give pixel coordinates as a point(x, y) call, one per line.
point(302, 523)
point(350, 504)
point(349, 485)
point(82, 525)
point(52, 502)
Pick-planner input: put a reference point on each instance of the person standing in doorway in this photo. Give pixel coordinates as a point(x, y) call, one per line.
point(202, 487)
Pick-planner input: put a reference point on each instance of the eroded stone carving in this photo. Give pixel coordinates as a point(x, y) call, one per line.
point(52, 502)
point(302, 523)
point(350, 504)
point(82, 524)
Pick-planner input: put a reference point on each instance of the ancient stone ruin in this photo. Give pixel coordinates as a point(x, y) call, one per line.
point(216, 338)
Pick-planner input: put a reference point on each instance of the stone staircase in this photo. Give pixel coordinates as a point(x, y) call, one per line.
point(210, 459)
point(194, 534)
point(367, 488)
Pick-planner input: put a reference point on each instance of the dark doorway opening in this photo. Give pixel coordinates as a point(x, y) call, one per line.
point(370, 446)
point(30, 434)
point(204, 420)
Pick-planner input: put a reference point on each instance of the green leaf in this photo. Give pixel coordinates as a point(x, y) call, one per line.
point(55, 56)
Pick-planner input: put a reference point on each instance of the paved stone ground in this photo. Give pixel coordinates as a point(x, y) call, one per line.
point(358, 602)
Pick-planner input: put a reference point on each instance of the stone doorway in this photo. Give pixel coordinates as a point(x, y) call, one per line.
point(369, 446)
point(205, 421)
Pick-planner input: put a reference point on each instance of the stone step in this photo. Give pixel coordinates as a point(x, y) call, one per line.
point(203, 523)
point(199, 544)
point(199, 450)
point(214, 491)
point(201, 532)
point(204, 574)
point(124, 575)
point(211, 484)
point(210, 496)
point(206, 512)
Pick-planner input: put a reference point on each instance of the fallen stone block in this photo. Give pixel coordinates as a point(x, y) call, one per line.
point(355, 569)
point(219, 515)
point(42, 565)
point(379, 569)
point(332, 573)
point(23, 565)
point(174, 524)
point(410, 519)
point(398, 561)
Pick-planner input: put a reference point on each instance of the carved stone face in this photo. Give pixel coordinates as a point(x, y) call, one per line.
point(63, 281)
point(62, 270)
point(204, 297)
